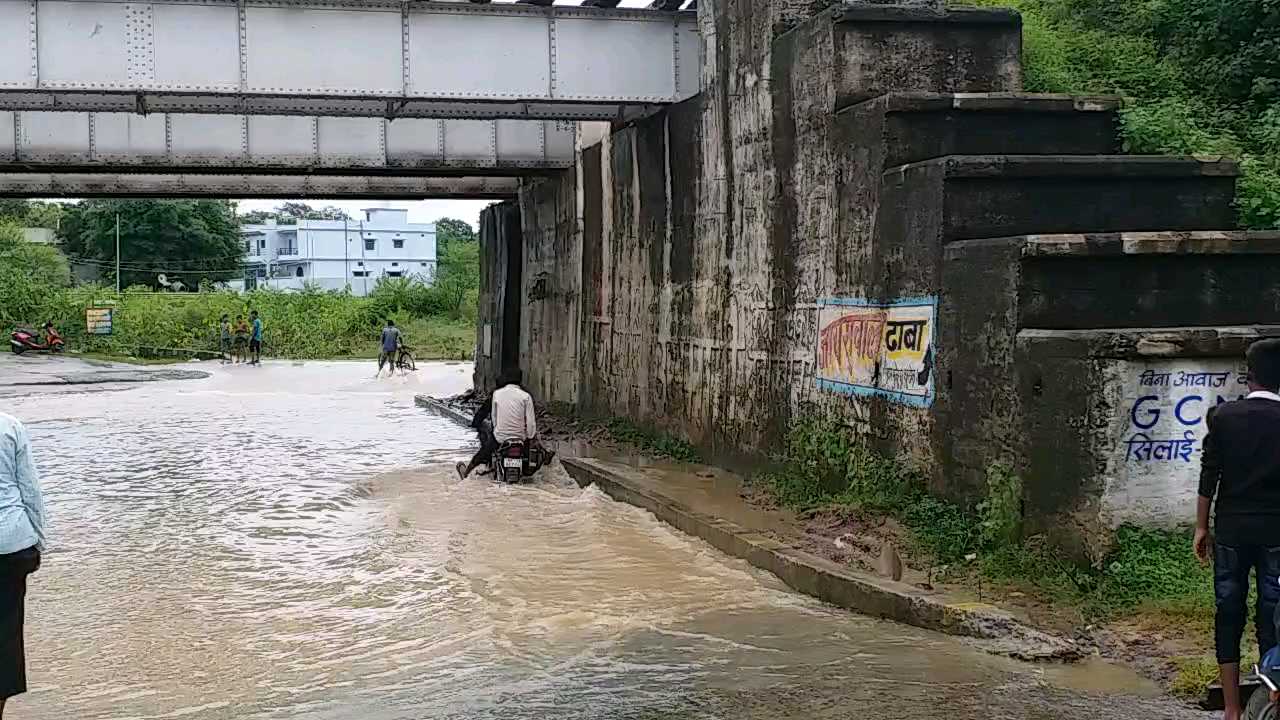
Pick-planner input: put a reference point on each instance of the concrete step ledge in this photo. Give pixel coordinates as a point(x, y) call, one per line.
point(1137, 167)
point(992, 628)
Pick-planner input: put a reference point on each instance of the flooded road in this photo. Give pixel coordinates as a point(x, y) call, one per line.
point(290, 541)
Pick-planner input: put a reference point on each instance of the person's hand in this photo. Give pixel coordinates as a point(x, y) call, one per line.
point(1202, 544)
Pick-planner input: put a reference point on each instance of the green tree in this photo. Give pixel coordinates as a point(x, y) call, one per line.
point(291, 212)
point(257, 217)
point(458, 276)
point(451, 230)
point(31, 276)
point(188, 240)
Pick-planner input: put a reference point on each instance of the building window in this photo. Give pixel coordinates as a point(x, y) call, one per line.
point(395, 264)
point(370, 243)
point(359, 273)
point(423, 264)
point(395, 273)
point(299, 273)
point(397, 243)
point(360, 262)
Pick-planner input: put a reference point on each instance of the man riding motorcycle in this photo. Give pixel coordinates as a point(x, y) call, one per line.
point(507, 417)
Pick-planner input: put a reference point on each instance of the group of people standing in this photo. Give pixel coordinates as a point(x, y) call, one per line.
point(241, 342)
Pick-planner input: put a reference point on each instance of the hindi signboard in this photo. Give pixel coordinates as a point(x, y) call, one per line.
point(872, 348)
point(98, 320)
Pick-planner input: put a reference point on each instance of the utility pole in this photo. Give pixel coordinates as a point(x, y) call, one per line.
point(117, 253)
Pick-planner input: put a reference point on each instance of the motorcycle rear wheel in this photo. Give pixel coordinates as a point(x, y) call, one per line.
point(1260, 706)
point(17, 349)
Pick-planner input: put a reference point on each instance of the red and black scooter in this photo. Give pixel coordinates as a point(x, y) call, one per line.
point(23, 339)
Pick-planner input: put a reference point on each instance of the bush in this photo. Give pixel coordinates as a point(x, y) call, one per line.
point(32, 277)
point(1202, 77)
point(825, 464)
point(308, 324)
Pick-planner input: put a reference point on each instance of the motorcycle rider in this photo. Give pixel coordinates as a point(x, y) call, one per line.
point(511, 414)
point(483, 426)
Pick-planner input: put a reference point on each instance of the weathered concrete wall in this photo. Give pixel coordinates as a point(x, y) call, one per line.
point(498, 327)
point(1104, 423)
point(550, 288)
point(847, 220)
point(711, 232)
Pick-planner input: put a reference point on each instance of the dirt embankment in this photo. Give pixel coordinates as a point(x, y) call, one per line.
point(1175, 651)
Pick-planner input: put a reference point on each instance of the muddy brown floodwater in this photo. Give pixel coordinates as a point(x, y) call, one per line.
point(289, 542)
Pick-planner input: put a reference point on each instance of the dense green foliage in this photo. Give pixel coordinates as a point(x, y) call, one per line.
point(194, 241)
point(825, 465)
point(29, 276)
point(308, 324)
point(1202, 77)
point(32, 213)
point(290, 213)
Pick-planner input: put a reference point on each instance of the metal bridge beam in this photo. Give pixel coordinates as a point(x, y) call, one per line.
point(345, 57)
point(90, 142)
point(51, 185)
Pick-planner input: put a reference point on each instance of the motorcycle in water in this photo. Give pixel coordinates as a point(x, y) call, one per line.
point(515, 460)
point(1264, 703)
point(23, 339)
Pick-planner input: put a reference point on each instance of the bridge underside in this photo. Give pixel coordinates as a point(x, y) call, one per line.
point(224, 185)
point(264, 144)
point(345, 57)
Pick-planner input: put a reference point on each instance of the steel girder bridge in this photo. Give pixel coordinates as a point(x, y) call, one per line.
point(286, 98)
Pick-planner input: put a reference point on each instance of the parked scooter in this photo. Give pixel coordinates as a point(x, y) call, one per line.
point(23, 339)
point(515, 460)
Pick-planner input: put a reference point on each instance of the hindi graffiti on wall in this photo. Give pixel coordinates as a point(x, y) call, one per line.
point(1157, 434)
point(886, 349)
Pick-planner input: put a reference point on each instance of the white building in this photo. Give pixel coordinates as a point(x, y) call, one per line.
point(335, 254)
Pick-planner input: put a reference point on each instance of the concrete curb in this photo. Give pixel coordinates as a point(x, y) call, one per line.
point(441, 408)
point(993, 629)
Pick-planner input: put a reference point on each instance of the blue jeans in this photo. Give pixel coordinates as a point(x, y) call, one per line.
point(1231, 567)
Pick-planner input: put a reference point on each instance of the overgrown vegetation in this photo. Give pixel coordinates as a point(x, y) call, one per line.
point(655, 442)
point(825, 464)
point(1201, 76)
point(437, 320)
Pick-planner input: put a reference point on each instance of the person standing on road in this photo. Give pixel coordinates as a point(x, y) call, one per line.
point(241, 330)
point(1240, 473)
point(390, 344)
point(255, 338)
point(224, 338)
point(22, 540)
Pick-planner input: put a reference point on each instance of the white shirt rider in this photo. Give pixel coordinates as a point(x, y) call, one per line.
point(513, 416)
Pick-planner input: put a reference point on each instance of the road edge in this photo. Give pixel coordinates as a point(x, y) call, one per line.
point(990, 627)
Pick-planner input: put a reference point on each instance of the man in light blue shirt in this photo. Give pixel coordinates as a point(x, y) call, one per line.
point(22, 538)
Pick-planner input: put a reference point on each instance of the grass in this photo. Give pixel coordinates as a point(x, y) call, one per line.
point(654, 442)
point(431, 338)
point(1150, 577)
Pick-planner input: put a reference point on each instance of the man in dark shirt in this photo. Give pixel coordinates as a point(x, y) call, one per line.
point(1240, 466)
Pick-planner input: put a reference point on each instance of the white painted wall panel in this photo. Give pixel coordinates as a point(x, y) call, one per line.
point(15, 49)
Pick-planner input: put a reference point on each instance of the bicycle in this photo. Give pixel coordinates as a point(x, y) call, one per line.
point(404, 359)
